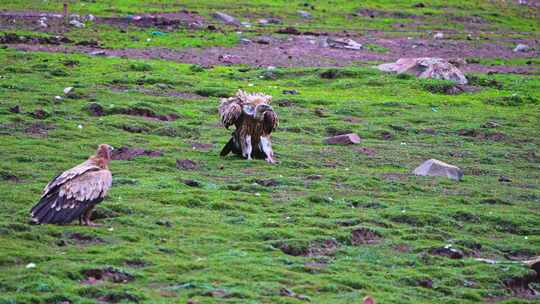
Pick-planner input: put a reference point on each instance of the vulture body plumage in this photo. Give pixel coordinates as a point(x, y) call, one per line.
point(74, 193)
point(254, 120)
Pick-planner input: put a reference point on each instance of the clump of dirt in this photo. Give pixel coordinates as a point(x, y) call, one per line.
point(79, 239)
point(7, 176)
point(39, 114)
point(293, 249)
point(323, 248)
point(94, 109)
point(365, 236)
point(125, 153)
point(285, 103)
point(447, 251)
point(12, 38)
point(495, 136)
point(495, 201)
point(118, 297)
point(202, 146)
point(134, 129)
point(402, 248)
point(137, 263)
point(15, 109)
point(96, 275)
point(186, 164)
point(146, 113)
point(386, 135)
point(286, 292)
point(267, 182)
point(525, 286)
point(38, 129)
point(192, 183)
point(364, 150)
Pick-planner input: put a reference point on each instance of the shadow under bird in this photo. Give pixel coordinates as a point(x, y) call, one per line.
point(74, 193)
point(254, 120)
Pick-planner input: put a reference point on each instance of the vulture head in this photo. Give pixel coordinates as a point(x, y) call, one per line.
point(104, 152)
point(255, 104)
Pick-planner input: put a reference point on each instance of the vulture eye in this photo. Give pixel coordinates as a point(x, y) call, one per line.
point(248, 109)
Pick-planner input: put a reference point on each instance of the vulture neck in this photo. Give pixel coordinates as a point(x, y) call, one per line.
point(101, 160)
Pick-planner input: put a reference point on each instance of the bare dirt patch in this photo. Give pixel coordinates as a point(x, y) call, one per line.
point(365, 236)
point(96, 276)
point(79, 239)
point(146, 113)
point(55, 22)
point(125, 153)
point(301, 50)
point(186, 164)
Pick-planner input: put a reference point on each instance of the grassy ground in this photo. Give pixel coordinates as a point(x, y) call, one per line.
point(234, 240)
point(338, 15)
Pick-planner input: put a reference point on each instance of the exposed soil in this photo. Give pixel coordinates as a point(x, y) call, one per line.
point(55, 22)
point(7, 176)
point(38, 129)
point(95, 276)
point(186, 164)
point(300, 50)
point(146, 113)
point(448, 252)
point(125, 153)
point(202, 146)
point(365, 236)
point(79, 239)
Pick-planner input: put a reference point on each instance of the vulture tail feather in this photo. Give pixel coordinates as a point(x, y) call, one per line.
point(228, 147)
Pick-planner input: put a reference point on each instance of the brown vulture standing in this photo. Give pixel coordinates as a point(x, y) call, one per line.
point(254, 120)
point(74, 193)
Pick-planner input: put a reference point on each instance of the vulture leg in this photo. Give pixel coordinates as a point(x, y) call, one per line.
point(86, 217)
point(247, 149)
point(266, 147)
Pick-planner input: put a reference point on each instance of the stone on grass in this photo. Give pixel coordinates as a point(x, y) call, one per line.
point(340, 43)
point(76, 23)
point(426, 67)
point(227, 19)
point(345, 139)
point(433, 167)
point(521, 48)
point(304, 14)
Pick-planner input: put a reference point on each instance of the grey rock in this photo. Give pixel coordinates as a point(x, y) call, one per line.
point(76, 23)
point(438, 36)
point(521, 48)
point(226, 18)
point(426, 67)
point(434, 167)
point(340, 43)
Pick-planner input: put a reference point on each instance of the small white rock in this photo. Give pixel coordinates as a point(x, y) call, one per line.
point(67, 90)
point(58, 97)
point(80, 126)
point(521, 48)
point(76, 23)
point(90, 17)
point(257, 194)
point(30, 265)
point(111, 229)
point(438, 36)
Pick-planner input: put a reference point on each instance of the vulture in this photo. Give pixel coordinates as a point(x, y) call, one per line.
point(74, 193)
point(254, 120)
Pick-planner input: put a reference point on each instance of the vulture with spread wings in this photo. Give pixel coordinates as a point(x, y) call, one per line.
point(74, 193)
point(254, 120)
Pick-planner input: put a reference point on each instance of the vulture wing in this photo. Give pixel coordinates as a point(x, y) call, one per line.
point(66, 201)
point(230, 111)
point(69, 175)
point(270, 122)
